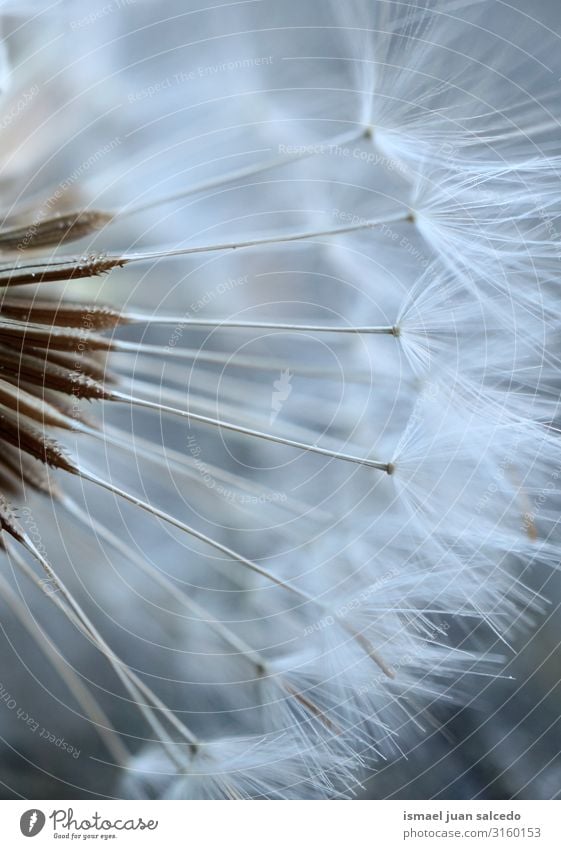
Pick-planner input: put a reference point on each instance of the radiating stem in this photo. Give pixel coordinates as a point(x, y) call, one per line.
point(185, 321)
point(82, 695)
point(258, 434)
point(302, 236)
point(359, 638)
point(354, 135)
point(67, 268)
point(129, 679)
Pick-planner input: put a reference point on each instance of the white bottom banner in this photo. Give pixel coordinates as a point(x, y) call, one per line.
point(291, 825)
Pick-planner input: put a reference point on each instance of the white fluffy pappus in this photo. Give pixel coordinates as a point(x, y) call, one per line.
point(326, 453)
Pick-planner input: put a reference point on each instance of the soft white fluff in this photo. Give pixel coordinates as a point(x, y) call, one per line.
point(436, 121)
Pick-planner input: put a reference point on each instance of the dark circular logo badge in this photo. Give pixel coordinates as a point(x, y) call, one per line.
point(32, 822)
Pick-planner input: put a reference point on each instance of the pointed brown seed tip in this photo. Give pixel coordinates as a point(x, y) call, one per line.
point(8, 520)
point(61, 314)
point(53, 231)
point(21, 433)
point(73, 268)
point(49, 370)
point(22, 336)
point(25, 469)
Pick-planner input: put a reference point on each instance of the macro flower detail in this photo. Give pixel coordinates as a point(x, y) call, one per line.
point(278, 382)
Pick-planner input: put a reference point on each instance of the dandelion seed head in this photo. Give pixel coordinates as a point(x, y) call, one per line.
point(278, 341)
